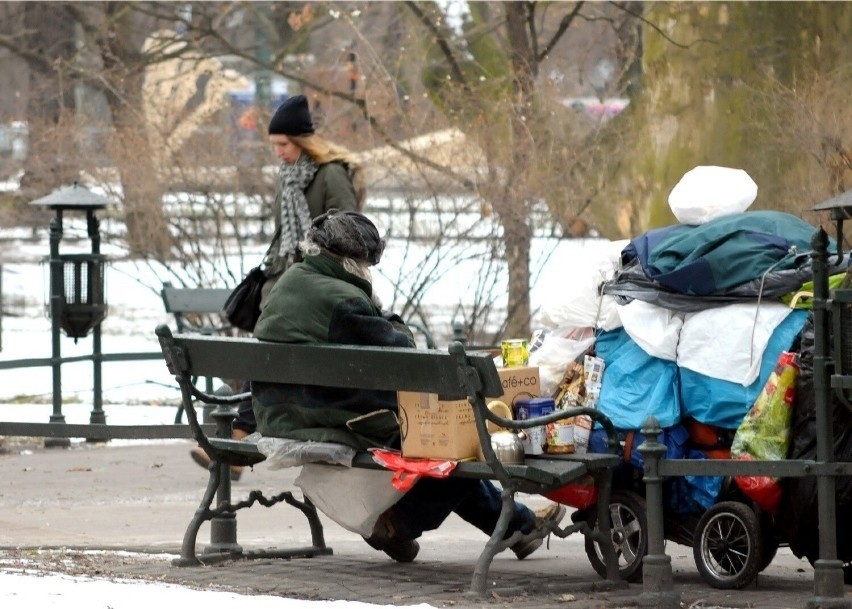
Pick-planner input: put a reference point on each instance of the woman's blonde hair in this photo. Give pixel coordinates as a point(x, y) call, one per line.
point(323, 151)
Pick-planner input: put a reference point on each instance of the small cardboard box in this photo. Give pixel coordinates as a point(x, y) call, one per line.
point(437, 429)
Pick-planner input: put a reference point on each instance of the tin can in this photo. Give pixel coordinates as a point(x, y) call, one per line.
point(515, 353)
point(536, 437)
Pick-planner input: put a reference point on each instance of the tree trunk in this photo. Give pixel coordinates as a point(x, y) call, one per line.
point(148, 234)
point(707, 71)
point(514, 209)
point(51, 161)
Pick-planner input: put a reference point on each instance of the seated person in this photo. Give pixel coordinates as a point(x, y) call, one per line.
point(328, 298)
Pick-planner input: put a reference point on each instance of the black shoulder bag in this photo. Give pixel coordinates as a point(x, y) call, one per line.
point(242, 308)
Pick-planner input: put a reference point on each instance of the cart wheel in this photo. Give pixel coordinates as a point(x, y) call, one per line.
point(727, 546)
point(629, 532)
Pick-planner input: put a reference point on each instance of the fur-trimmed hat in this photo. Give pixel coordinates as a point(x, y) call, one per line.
point(292, 118)
point(349, 234)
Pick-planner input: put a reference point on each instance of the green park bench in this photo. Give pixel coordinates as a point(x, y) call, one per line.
point(452, 375)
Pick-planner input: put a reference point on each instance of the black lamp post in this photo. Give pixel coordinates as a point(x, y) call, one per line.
point(832, 313)
point(76, 299)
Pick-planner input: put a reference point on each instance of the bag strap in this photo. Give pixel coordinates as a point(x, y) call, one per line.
point(275, 237)
point(272, 245)
point(628, 445)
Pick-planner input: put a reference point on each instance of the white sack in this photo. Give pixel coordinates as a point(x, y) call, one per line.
point(655, 329)
point(353, 498)
point(574, 301)
point(727, 343)
point(708, 192)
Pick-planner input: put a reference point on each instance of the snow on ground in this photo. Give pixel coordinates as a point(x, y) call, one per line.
point(29, 588)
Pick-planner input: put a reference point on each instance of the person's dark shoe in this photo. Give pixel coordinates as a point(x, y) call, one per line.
point(401, 550)
point(552, 514)
point(383, 539)
point(199, 456)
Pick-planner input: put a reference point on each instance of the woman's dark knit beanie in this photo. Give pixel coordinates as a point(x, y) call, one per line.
point(292, 118)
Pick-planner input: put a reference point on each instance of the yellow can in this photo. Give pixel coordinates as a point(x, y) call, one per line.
point(515, 353)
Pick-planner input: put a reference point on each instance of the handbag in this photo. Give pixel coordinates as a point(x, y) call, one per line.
point(242, 308)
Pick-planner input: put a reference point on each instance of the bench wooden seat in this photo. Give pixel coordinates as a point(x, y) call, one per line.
point(453, 375)
point(536, 475)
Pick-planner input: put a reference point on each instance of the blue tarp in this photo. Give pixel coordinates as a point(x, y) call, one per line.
point(635, 384)
point(721, 254)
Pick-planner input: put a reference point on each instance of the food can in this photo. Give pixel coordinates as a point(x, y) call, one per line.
point(560, 437)
point(515, 353)
point(536, 437)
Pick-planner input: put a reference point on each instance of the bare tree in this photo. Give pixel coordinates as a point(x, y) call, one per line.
point(393, 71)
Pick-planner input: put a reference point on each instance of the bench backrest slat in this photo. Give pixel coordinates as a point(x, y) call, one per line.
point(194, 300)
point(382, 368)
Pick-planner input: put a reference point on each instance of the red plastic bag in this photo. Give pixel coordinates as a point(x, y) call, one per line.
point(764, 433)
point(409, 471)
point(580, 494)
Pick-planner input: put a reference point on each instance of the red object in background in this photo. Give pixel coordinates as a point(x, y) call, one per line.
point(765, 491)
point(580, 494)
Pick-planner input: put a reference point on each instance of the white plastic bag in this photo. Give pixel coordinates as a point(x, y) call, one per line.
point(353, 498)
point(708, 192)
point(283, 452)
point(655, 329)
point(554, 351)
point(574, 301)
point(728, 342)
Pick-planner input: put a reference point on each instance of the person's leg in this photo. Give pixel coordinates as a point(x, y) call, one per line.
point(427, 505)
point(482, 506)
point(244, 424)
point(245, 421)
point(482, 509)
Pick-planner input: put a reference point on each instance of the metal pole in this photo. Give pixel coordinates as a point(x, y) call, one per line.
point(97, 415)
point(223, 528)
point(459, 335)
point(657, 584)
point(55, 304)
point(828, 570)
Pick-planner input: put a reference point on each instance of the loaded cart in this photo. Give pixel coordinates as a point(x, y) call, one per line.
point(709, 332)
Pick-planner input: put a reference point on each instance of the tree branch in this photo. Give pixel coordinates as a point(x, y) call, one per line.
point(564, 24)
point(656, 28)
point(455, 69)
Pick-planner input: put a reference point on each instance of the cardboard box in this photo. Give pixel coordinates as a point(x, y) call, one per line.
point(447, 429)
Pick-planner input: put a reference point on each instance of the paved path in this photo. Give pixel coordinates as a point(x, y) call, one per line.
point(140, 497)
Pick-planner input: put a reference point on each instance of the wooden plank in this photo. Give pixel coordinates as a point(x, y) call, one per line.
point(345, 366)
point(194, 300)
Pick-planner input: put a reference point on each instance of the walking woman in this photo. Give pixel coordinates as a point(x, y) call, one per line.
point(315, 176)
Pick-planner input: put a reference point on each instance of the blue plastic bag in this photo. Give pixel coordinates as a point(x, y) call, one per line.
point(693, 494)
point(673, 438)
point(635, 384)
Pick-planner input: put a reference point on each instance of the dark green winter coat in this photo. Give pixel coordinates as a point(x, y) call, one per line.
point(317, 301)
point(331, 188)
